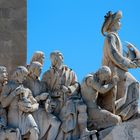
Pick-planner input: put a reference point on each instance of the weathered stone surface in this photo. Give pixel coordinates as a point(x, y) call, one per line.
point(126, 131)
point(13, 33)
point(58, 107)
point(126, 94)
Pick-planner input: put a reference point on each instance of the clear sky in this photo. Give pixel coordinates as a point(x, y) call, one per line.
point(73, 27)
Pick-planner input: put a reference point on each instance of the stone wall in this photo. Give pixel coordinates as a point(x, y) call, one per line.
point(126, 131)
point(13, 33)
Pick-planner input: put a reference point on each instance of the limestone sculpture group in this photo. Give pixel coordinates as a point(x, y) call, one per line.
point(57, 106)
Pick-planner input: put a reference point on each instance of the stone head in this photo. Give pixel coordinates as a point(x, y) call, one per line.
point(3, 75)
point(111, 22)
point(104, 74)
point(38, 56)
point(56, 58)
point(35, 69)
point(20, 74)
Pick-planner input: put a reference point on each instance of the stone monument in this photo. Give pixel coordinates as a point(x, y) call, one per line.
point(56, 106)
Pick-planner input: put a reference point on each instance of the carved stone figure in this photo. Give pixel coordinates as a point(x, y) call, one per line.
point(127, 87)
point(64, 89)
point(92, 85)
point(48, 124)
point(38, 56)
point(18, 117)
point(5, 132)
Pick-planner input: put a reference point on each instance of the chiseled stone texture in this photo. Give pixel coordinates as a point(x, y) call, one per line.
point(13, 33)
point(126, 131)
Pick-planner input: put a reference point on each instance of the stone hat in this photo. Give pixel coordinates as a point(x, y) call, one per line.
point(109, 19)
point(56, 53)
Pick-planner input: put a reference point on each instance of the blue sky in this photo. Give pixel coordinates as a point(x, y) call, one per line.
point(73, 27)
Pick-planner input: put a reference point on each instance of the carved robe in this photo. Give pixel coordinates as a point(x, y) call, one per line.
point(37, 87)
point(16, 117)
point(98, 118)
point(66, 108)
point(113, 58)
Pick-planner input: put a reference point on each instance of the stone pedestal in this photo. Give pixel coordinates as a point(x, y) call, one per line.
point(126, 131)
point(13, 33)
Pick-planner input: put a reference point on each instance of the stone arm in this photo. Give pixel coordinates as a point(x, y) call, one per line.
point(34, 103)
point(7, 96)
point(46, 78)
point(117, 58)
point(42, 96)
point(98, 86)
point(74, 86)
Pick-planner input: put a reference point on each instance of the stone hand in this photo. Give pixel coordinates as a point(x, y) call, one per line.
point(48, 106)
point(64, 89)
point(115, 79)
point(132, 65)
point(26, 109)
point(43, 96)
point(9, 130)
point(137, 62)
point(18, 90)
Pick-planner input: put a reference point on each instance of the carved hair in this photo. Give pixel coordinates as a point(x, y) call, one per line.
point(34, 67)
point(37, 56)
point(109, 19)
point(107, 22)
point(56, 54)
point(103, 70)
point(20, 70)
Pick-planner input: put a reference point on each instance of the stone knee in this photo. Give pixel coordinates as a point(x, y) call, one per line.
point(116, 119)
point(34, 133)
point(55, 122)
point(82, 112)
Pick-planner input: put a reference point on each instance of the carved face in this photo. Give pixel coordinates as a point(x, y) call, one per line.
point(104, 77)
point(35, 69)
point(56, 59)
point(20, 74)
point(116, 25)
point(104, 74)
point(3, 75)
point(21, 77)
point(39, 57)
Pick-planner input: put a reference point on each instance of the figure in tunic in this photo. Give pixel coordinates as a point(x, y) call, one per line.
point(93, 84)
point(48, 124)
point(5, 131)
point(128, 87)
point(64, 89)
point(20, 117)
